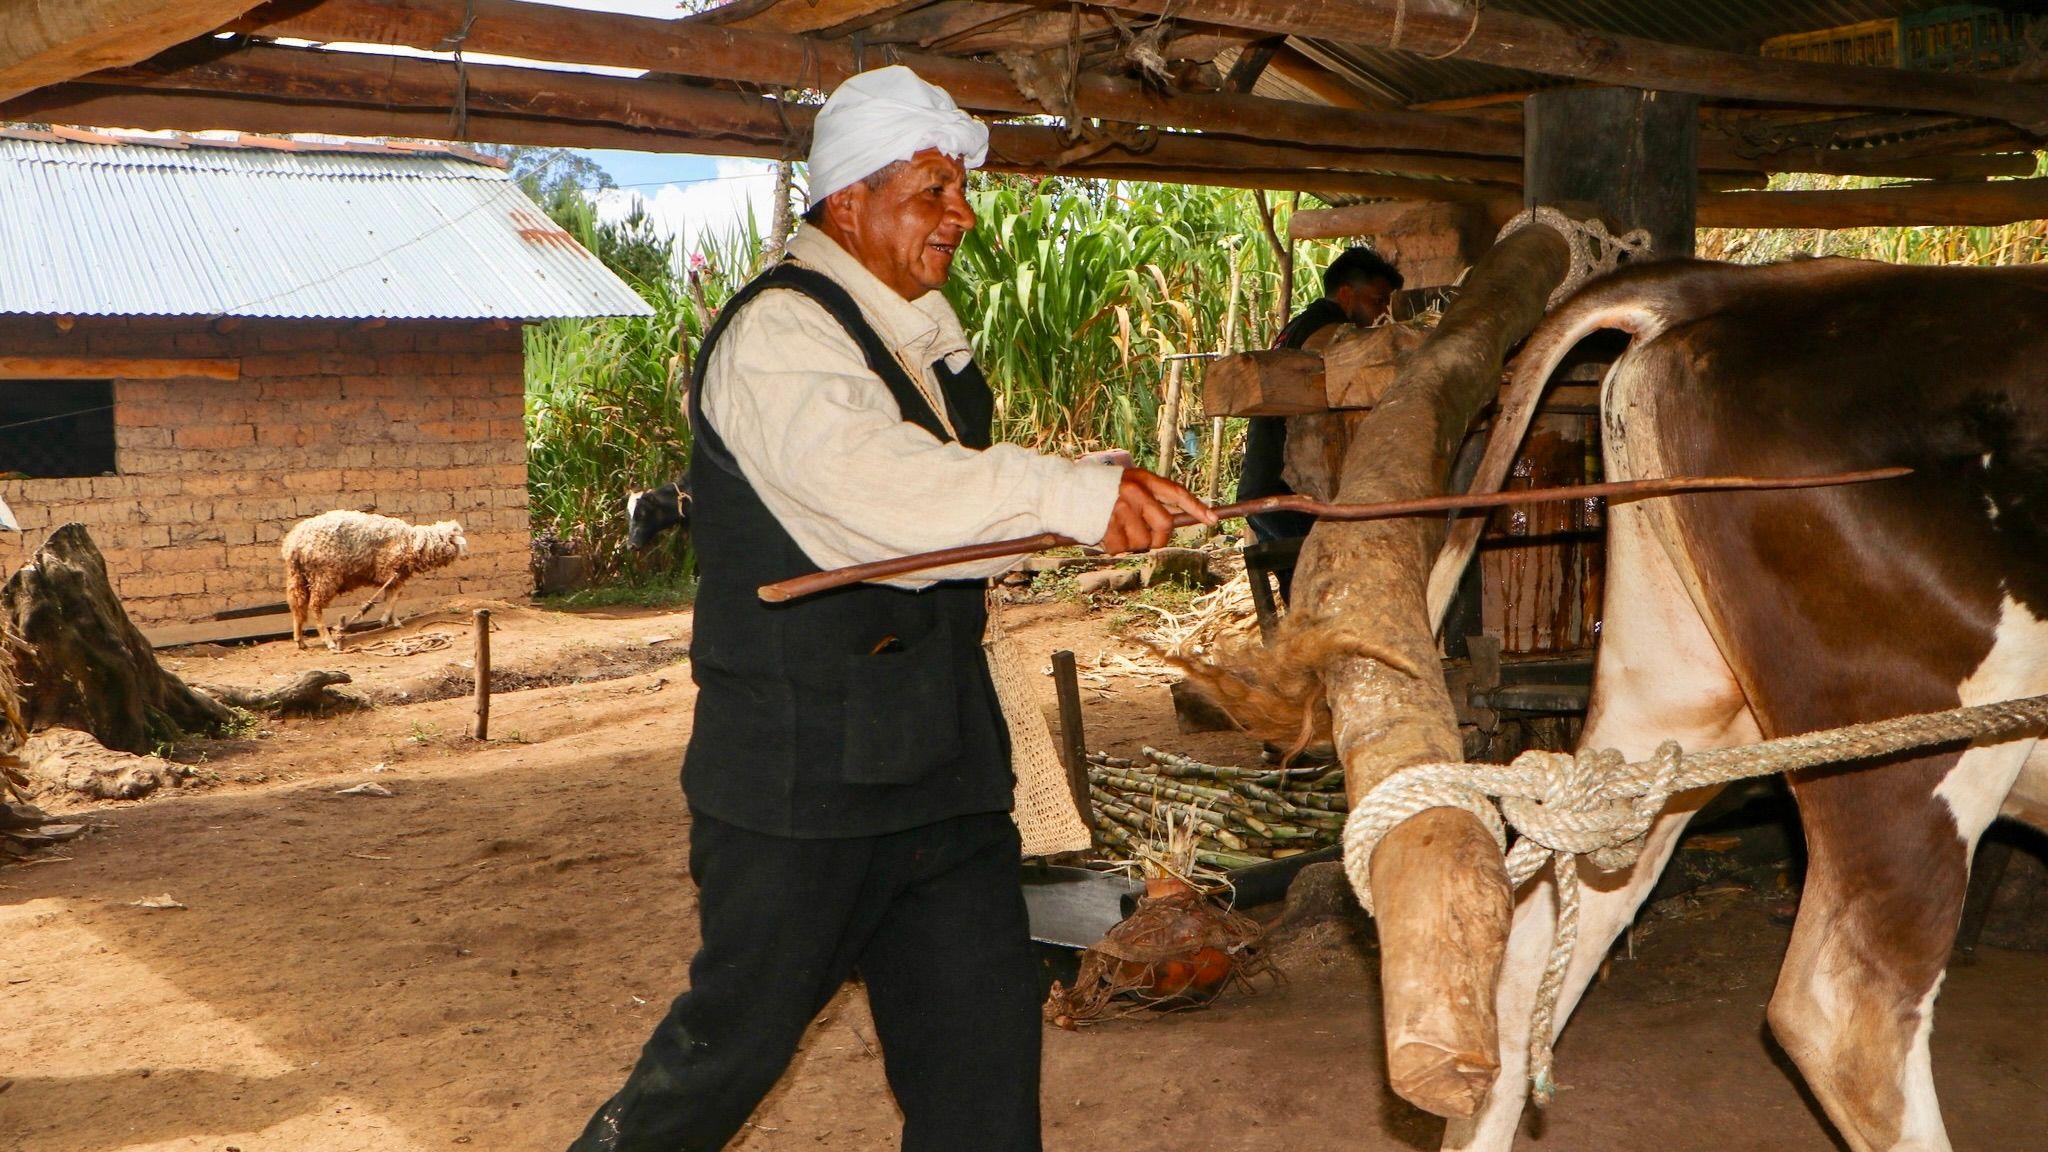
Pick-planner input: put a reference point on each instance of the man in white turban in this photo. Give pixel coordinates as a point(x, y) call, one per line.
point(848, 772)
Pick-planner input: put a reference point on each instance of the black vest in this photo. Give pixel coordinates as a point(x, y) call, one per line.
point(855, 712)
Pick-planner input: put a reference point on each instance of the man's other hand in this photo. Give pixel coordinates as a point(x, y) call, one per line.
point(1143, 517)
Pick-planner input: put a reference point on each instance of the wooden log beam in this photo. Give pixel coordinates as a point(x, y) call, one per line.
point(1441, 892)
point(117, 368)
point(191, 111)
point(545, 32)
point(1973, 203)
point(1970, 203)
point(46, 42)
point(310, 74)
point(1493, 35)
point(813, 15)
point(172, 110)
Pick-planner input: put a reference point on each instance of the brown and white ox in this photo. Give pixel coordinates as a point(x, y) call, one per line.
point(1736, 617)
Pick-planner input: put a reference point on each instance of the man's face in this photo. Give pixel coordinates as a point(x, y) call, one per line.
point(906, 228)
point(1364, 304)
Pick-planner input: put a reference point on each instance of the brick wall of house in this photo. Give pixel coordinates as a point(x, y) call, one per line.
point(422, 420)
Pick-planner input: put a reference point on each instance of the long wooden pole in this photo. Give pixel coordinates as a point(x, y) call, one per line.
point(801, 586)
point(1169, 418)
point(693, 48)
point(331, 76)
point(1493, 35)
point(482, 660)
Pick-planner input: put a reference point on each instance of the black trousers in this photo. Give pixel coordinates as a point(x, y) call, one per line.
point(932, 919)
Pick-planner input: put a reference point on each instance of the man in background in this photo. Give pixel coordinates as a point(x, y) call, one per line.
point(1358, 288)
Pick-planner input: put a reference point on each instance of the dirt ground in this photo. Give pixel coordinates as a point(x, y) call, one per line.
point(475, 959)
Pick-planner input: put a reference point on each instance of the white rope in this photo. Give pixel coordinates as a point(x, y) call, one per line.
point(1595, 250)
point(1595, 804)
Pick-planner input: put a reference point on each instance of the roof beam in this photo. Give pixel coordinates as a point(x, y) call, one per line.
point(1985, 203)
point(691, 48)
point(715, 118)
point(1511, 40)
point(1020, 148)
point(816, 15)
point(51, 41)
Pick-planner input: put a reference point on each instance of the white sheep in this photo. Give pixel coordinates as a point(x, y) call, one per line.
point(337, 552)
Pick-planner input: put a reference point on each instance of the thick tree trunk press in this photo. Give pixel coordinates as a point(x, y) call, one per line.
point(1439, 886)
point(84, 664)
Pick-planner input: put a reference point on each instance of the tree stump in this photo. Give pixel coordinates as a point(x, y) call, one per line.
point(83, 664)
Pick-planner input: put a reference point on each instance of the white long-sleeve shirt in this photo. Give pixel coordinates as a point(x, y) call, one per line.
point(822, 442)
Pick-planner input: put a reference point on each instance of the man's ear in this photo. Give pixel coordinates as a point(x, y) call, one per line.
point(843, 208)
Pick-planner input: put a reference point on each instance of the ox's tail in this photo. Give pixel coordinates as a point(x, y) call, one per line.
point(1630, 304)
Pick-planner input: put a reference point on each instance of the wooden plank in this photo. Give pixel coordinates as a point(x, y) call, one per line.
point(1360, 364)
point(1277, 382)
point(1493, 35)
point(1631, 154)
point(116, 368)
point(46, 42)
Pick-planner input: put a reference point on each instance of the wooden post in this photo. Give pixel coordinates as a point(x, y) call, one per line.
point(483, 674)
point(1169, 419)
point(1438, 881)
point(1632, 154)
point(1066, 684)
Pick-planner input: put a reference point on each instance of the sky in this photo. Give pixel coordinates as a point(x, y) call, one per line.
point(684, 195)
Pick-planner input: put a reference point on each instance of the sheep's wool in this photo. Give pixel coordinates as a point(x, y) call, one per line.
point(884, 115)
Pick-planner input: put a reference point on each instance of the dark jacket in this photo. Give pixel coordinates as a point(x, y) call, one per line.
point(856, 712)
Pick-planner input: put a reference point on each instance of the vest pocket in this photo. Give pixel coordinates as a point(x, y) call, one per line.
point(902, 712)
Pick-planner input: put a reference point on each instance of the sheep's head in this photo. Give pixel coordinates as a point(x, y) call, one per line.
point(451, 531)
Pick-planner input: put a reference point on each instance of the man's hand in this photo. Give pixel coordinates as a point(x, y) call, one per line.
point(1143, 516)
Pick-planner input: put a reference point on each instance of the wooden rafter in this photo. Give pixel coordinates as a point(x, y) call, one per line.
point(748, 125)
point(51, 41)
point(544, 32)
point(312, 91)
point(1511, 40)
point(818, 15)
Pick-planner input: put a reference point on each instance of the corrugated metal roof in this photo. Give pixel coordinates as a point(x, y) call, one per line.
point(1728, 25)
point(135, 229)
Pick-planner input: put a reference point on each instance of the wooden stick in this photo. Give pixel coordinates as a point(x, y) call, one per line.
point(1066, 682)
point(801, 586)
point(483, 674)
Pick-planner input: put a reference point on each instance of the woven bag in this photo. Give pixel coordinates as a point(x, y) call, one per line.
point(1044, 812)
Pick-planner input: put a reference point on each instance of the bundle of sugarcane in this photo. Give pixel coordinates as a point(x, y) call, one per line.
point(1240, 815)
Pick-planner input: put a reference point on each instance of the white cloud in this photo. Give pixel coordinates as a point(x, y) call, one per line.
point(688, 211)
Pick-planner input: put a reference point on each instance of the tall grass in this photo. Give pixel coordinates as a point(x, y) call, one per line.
point(606, 408)
point(1074, 293)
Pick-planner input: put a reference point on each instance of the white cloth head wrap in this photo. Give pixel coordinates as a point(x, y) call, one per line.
point(882, 116)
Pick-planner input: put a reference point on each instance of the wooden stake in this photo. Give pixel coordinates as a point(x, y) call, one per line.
point(483, 674)
point(1169, 419)
point(1066, 682)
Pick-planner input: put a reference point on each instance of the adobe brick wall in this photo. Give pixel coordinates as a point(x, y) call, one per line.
point(422, 420)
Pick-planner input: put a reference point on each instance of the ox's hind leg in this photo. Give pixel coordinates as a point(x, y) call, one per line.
point(1660, 677)
point(1888, 860)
